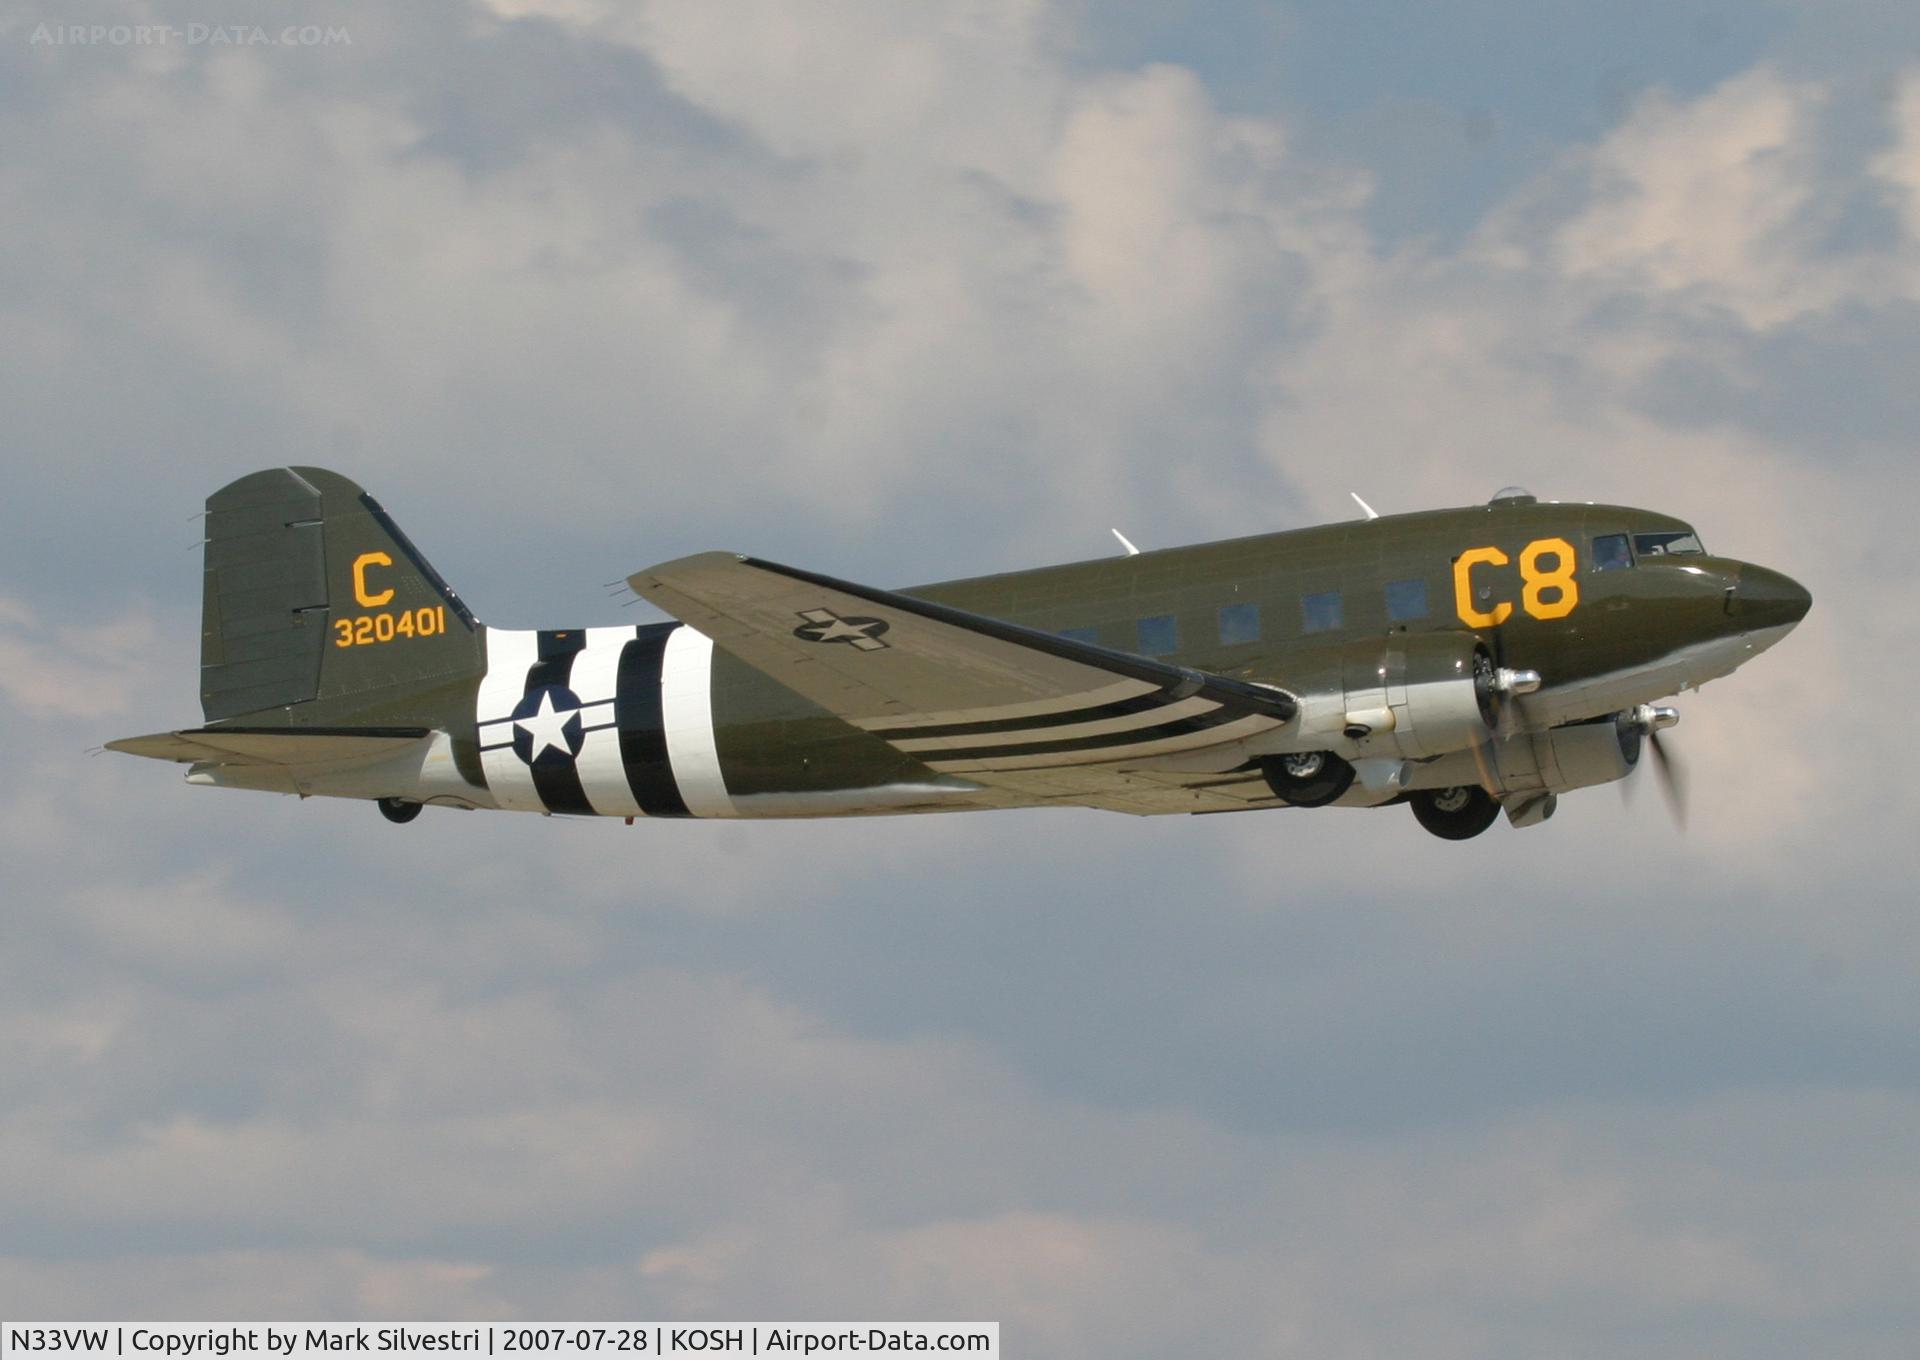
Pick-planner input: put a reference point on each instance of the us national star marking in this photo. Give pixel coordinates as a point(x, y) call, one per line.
point(548, 720)
point(823, 625)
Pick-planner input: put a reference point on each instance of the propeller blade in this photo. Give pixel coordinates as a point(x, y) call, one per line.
point(1673, 781)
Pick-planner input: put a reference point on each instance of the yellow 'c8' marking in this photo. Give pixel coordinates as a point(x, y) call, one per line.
point(360, 591)
point(1463, 566)
point(1536, 584)
point(1559, 580)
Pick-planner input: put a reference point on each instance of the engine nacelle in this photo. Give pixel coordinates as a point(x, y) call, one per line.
point(1420, 695)
point(1585, 754)
point(1576, 756)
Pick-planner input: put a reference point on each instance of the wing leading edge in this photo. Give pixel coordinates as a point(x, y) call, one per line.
point(965, 694)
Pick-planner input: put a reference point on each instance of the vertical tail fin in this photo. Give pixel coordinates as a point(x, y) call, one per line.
point(313, 597)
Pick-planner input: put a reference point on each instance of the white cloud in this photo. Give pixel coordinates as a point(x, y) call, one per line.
point(967, 85)
point(1719, 201)
point(77, 670)
point(262, 1285)
point(1898, 168)
point(968, 261)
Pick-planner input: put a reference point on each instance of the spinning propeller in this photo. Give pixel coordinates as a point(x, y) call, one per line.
point(1666, 766)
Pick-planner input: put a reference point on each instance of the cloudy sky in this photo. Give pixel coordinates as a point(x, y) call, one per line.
point(903, 292)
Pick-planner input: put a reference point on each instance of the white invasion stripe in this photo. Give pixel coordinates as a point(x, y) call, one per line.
point(509, 656)
point(1035, 708)
point(1119, 753)
point(1153, 717)
point(595, 677)
point(686, 711)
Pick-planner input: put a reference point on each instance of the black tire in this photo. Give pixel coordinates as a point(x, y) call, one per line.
point(1455, 814)
point(398, 810)
point(1307, 779)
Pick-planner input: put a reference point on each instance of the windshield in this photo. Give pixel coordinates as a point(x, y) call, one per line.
point(1610, 553)
point(1668, 542)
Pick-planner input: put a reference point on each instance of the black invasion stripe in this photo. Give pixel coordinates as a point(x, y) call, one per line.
point(1117, 742)
point(558, 783)
point(1124, 708)
point(1249, 699)
point(558, 647)
point(643, 728)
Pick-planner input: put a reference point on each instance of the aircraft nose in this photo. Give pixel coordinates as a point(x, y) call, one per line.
point(1769, 599)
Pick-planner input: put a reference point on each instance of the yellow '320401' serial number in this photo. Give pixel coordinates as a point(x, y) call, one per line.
point(389, 626)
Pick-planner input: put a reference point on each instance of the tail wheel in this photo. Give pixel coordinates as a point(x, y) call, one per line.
point(1307, 778)
point(1456, 814)
point(398, 809)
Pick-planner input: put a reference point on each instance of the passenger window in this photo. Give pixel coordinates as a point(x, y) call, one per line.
point(1159, 635)
point(1610, 553)
point(1659, 545)
point(1320, 613)
point(1239, 623)
point(1081, 635)
point(1406, 600)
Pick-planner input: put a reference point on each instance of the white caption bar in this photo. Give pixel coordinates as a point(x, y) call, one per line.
point(517, 1341)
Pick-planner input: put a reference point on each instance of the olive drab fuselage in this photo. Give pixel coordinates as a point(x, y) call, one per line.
point(1600, 608)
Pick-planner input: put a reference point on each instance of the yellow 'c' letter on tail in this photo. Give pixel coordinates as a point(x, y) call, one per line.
point(360, 565)
point(1463, 588)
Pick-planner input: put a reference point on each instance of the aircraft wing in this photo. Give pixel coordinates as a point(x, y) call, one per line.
point(969, 695)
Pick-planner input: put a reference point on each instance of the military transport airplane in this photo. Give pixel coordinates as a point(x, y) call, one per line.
point(1460, 661)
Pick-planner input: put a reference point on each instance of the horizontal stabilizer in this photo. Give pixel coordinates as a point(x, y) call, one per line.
point(304, 746)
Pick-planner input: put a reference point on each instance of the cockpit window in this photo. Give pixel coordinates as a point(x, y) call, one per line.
point(1610, 552)
point(1668, 543)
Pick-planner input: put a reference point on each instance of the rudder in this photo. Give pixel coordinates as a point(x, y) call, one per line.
point(317, 608)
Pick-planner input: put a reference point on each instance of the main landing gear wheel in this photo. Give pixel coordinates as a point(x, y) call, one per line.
point(1307, 778)
point(398, 809)
point(1456, 814)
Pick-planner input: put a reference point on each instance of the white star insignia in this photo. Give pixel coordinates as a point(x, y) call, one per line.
point(840, 628)
point(546, 727)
